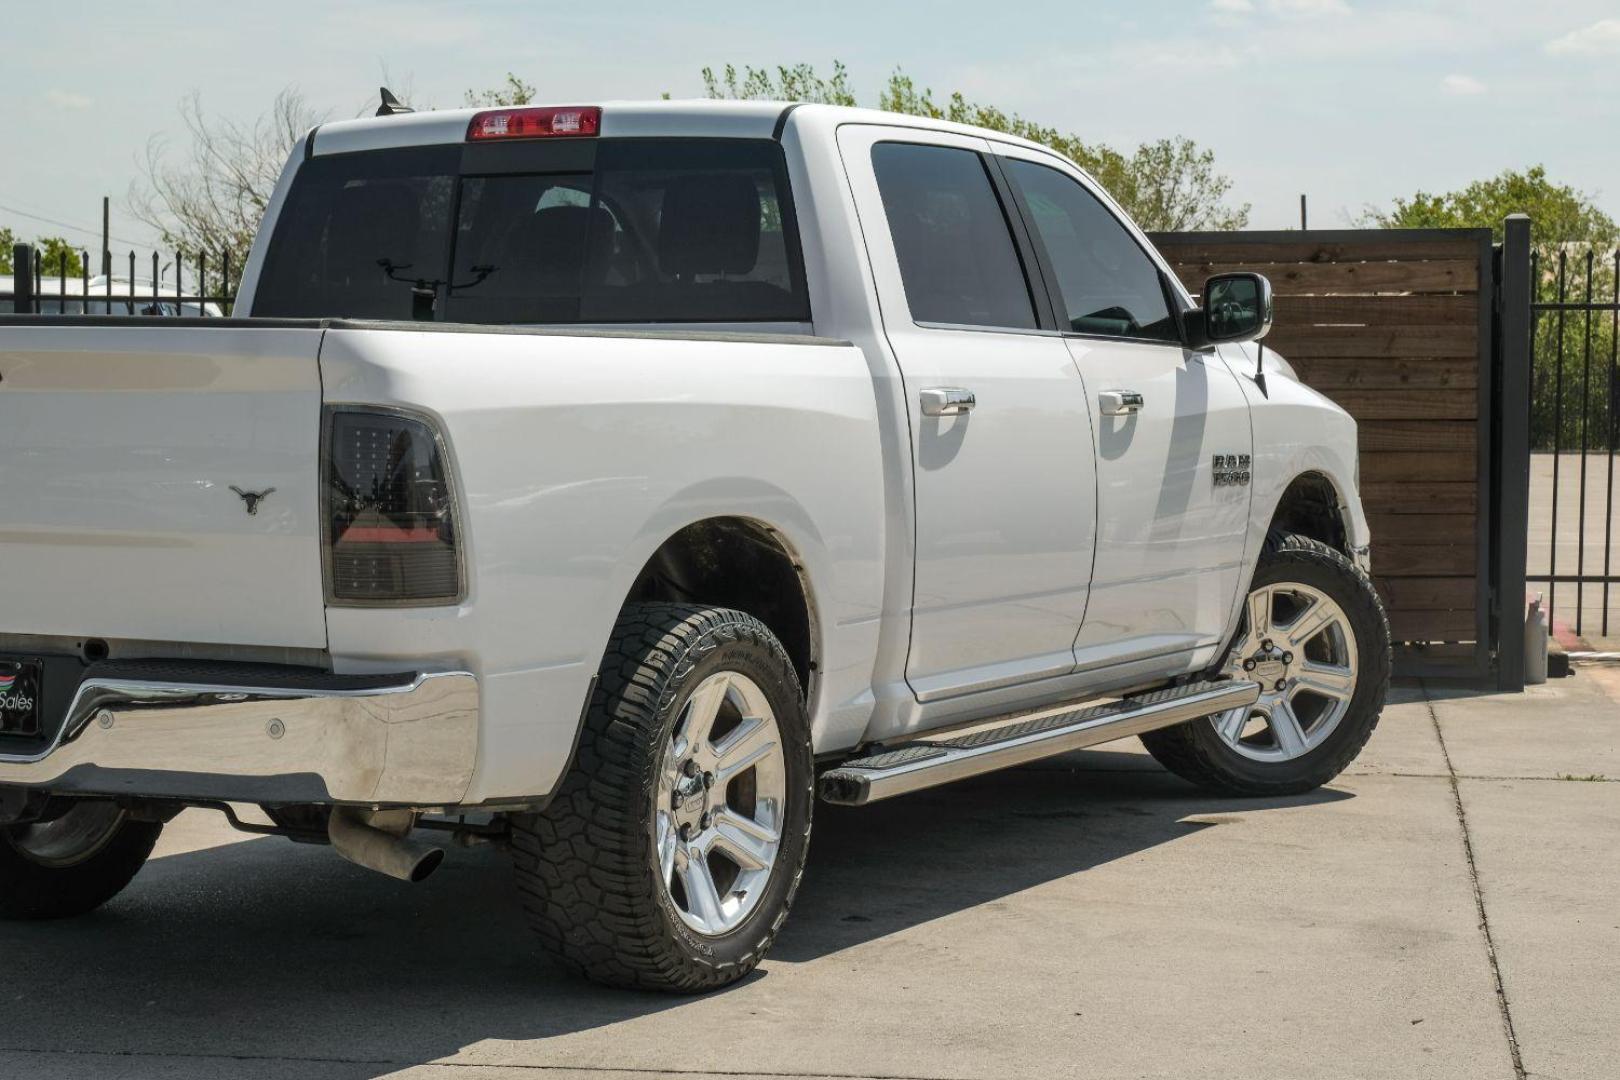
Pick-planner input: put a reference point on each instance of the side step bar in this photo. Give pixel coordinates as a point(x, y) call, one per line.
point(926, 764)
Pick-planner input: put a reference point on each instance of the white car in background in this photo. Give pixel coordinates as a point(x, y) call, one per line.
point(103, 295)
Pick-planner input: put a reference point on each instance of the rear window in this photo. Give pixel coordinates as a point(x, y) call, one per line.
point(651, 230)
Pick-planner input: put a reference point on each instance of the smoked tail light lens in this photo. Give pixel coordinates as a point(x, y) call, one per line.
point(389, 512)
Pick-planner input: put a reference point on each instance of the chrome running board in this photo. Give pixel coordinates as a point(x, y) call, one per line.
point(928, 763)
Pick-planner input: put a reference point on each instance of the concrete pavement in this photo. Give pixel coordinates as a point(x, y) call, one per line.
point(1086, 917)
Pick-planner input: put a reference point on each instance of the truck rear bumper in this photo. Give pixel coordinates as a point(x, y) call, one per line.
point(253, 733)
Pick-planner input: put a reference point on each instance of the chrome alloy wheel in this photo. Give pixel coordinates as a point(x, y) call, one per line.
point(69, 838)
point(722, 795)
point(1297, 643)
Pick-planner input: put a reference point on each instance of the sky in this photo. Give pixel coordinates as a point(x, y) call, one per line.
point(1352, 102)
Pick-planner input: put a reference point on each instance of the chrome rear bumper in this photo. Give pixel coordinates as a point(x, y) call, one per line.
point(238, 733)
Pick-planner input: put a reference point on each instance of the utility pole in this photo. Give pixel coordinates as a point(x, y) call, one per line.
point(1302, 225)
point(106, 238)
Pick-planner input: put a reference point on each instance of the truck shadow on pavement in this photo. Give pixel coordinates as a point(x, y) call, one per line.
point(264, 951)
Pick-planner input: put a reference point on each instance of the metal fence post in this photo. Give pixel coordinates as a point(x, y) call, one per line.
point(1512, 472)
point(22, 279)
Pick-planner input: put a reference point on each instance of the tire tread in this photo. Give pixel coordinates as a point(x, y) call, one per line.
point(581, 863)
point(33, 892)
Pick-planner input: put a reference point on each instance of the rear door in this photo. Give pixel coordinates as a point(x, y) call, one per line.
point(1000, 437)
point(159, 483)
point(1171, 535)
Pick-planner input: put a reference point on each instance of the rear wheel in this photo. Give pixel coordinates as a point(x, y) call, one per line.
point(72, 861)
point(670, 855)
point(1315, 639)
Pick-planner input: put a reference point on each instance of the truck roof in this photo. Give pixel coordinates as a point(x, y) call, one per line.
point(695, 118)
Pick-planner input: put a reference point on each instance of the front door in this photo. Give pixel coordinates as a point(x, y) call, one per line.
point(1001, 442)
point(1173, 436)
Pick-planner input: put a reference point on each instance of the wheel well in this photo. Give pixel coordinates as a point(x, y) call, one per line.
point(1310, 507)
point(742, 564)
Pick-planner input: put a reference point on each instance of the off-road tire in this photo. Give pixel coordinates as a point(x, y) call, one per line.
point(1195, 752)
point(585, 866)
point(30, 890)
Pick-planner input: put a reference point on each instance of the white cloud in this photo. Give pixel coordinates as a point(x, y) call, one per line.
point(1462, 86)
point(1185, 54)
point(1309, 7)
point(1599, 39)
point(1232, 7)
point(63, 99)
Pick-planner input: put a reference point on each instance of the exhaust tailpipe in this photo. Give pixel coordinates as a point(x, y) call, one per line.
point(375, 839)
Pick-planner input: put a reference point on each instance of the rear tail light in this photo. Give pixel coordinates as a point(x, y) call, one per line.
point(573, 122)
point(391, 536)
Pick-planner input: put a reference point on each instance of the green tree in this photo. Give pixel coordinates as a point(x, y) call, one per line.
point(514, 91)
point(1574, 370)
point(1167, 185)
point(59, 255)
point(797, 83)
point(1559, 214)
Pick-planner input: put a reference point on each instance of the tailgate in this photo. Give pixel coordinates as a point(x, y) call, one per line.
point(119, 450)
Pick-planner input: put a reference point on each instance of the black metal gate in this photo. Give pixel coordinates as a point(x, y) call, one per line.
point(174, 285)
point(1574, 434)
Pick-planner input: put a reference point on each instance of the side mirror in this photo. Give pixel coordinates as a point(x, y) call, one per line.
point(1237, 307)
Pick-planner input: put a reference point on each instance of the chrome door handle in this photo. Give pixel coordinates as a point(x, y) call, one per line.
point(1119, 402)
point(947, 401)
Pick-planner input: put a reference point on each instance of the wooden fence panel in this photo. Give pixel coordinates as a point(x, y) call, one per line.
point(1394, 326)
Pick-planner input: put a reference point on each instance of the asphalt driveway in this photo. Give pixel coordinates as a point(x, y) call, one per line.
point(1090, 916)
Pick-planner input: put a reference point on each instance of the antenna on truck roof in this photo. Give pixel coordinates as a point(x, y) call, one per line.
point(391, 105)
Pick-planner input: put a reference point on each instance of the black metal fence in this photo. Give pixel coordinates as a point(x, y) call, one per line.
point(1575, 434)
point(130, 285)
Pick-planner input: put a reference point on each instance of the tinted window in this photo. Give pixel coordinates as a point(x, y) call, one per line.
point(658, 230)
point(956, 252)
point(1109, 284)
point(668, 230)
point(520, 249)
point(362, 236)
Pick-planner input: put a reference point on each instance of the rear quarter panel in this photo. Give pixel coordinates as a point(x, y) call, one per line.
point(575, 458)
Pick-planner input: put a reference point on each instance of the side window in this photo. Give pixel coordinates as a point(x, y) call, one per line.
point(951, 235)
point(1109, 284)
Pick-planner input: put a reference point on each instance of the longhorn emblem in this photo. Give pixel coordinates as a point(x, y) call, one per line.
point(253, 498)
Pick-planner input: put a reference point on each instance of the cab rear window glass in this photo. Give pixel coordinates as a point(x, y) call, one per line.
point(657, 230)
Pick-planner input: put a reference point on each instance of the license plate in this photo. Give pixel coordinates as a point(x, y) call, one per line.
point(21, 690)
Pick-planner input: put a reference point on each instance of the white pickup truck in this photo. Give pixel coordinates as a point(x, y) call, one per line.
point(611, 482)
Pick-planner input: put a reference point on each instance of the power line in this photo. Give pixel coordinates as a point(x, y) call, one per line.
point(65, 225)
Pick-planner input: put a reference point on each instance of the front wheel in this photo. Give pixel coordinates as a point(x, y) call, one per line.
point(72, 861)
point(1315, 639)
point(671, 853)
